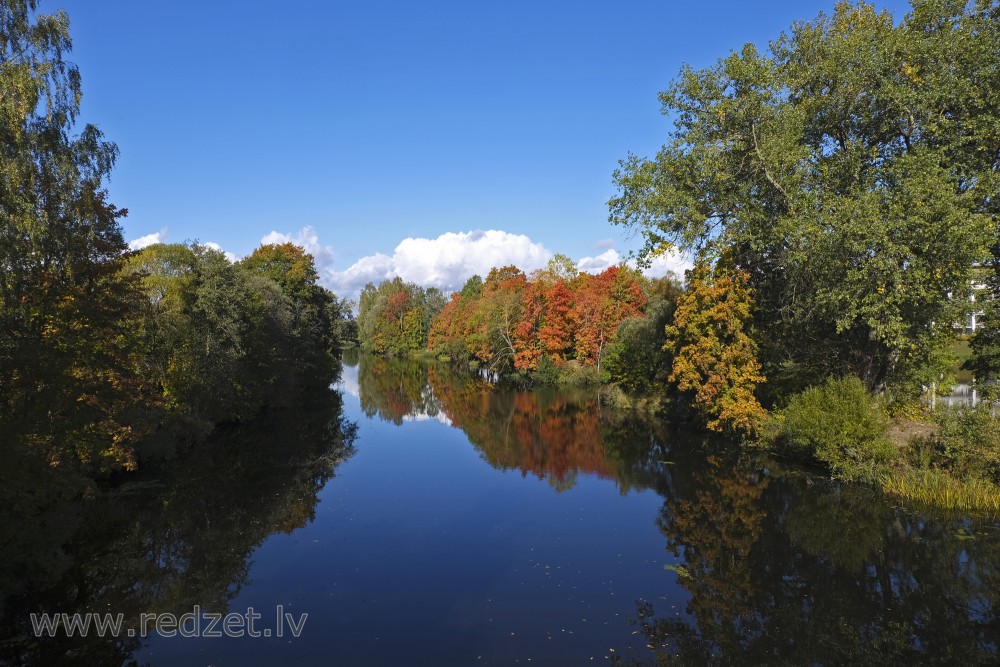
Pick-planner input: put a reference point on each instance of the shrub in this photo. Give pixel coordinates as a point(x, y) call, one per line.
point(840, 425)
point(967, 443)
point(575, 374)
point(547, 372)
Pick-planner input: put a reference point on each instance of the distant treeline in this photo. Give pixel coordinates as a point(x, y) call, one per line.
point(552, 325)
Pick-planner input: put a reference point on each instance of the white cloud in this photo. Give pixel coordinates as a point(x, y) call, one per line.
point(670, 261)
point(307, 239)
point(445, 262)
point(215, 246)
point(372, 269)
point(605, 260)
point(148, 240)
point(451, 258)
point(661, 265)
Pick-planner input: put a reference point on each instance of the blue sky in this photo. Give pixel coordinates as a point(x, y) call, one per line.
point(368, 123)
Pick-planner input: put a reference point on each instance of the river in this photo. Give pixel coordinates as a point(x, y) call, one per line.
point(418, 516)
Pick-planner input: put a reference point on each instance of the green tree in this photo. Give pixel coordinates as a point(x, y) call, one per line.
point(639, 358)
point(63, 302)
point(315, 309)
point(985, 360)
point(395, 317)
point(220, 341)
point(851, 172)
point(560, 267)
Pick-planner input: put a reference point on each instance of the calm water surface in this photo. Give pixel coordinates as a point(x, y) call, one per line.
point(460, 526)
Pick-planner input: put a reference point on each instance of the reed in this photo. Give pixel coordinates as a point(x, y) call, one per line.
point(934, 487)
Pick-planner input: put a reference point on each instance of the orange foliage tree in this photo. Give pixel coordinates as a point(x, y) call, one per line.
point(512, 322)
point(602, 302)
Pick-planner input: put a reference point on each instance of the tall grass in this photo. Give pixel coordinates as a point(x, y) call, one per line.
point(935, 487)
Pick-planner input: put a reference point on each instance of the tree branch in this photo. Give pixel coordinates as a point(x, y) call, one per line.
point(767, 174)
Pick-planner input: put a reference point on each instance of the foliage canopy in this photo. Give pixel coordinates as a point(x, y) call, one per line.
point(851, 171)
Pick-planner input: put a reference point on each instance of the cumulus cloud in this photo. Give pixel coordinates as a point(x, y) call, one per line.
point(215, 246)
point(605, 260)
point(372, 269)
point(307, 239)
point(148, 240)
point(668, 262)
point(445, 262)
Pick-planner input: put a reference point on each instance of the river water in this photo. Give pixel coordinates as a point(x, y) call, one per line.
point(422, 518)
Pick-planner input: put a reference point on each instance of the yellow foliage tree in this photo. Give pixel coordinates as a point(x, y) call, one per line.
point(714, 357)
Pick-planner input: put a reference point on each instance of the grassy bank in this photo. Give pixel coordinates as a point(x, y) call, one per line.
point(948, 457)
point(939, 489)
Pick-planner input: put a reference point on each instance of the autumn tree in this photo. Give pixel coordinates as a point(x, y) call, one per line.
point(63, 302)
point(555, 332)
point(715, 358)
point(516, 324)
point(496, 317)
point(600, 305)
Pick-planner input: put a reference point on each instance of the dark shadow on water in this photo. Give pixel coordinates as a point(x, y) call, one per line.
point(788, 570)
point(177, 534)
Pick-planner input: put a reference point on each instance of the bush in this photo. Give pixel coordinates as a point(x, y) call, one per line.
point(575, 374)
point(967, 443)
point(547, 372)
point(840, 425)
point(636, 359)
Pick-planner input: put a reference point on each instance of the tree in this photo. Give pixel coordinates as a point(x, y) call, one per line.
point(495, 319)
point(450, 329)
point(219, 341)
point(850, 172)
point(555, 333)
point(560, 267)
point(601, 303)
point(514, 324)
point(315, 308)
point(63, 301)
point(715, 359)
point(639, 359)
point(395, 317)
point(985, 360)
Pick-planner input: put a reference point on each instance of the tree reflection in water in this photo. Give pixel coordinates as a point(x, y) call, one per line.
point(553, 434)
point(785, 569)
point(178, 534)
point(781, 567)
